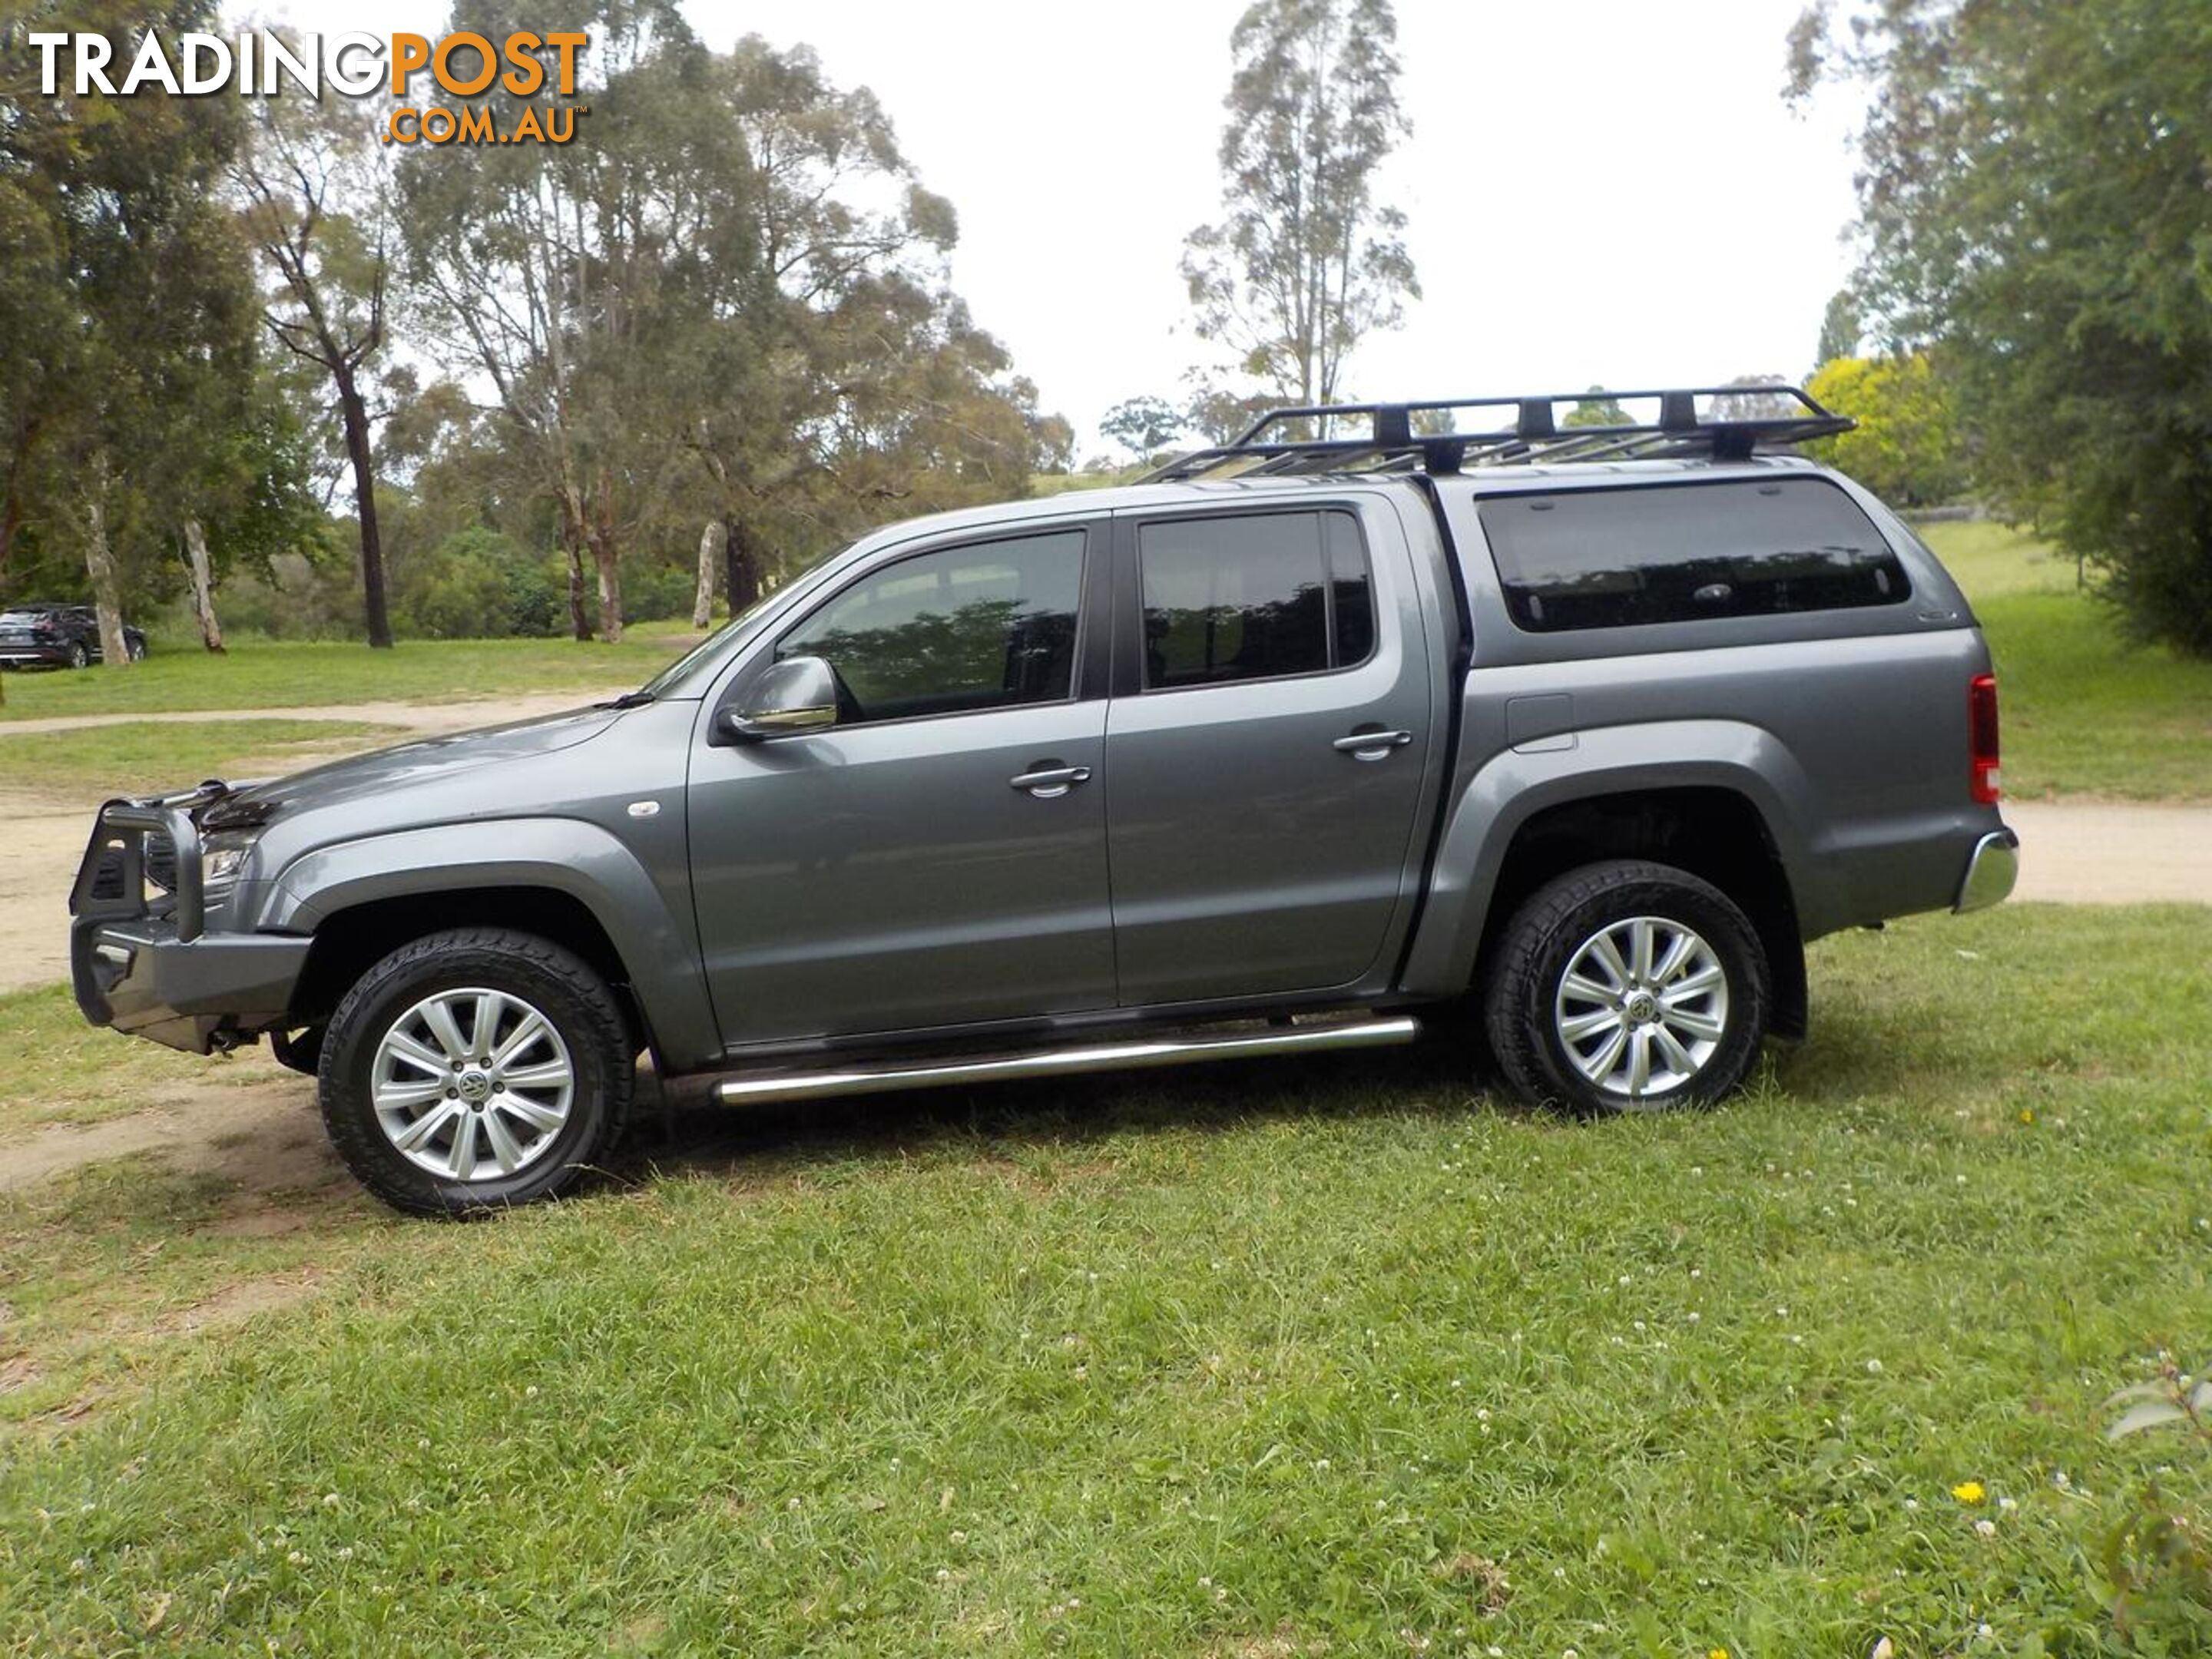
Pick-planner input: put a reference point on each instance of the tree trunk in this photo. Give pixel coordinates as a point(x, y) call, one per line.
point(742, 564)
point(572, 544)
point(196, 559)
point(11, 502)
point(354, 414)
point(603, 559)
point(11, 522)
point(99, 565)
point(605, 553)
point(710, 554)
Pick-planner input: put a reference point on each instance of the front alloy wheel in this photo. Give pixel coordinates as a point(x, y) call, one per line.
point(476, 1068)
point(472, 1077)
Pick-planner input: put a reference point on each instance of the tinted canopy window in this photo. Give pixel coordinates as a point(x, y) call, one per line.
point(1612, 558)
point(1254, 597)
point(952, 632)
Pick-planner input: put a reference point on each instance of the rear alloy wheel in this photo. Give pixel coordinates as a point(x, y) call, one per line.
point(1627, 987)
point(136, 650)
point(475, 1069)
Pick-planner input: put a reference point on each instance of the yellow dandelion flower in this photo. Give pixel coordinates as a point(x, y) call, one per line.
point(2027, 1114)
point(1969, 1491)
point(1718, 1653)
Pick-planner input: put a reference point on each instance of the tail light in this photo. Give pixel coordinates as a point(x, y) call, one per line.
point(1982, 738)
point(42, 630)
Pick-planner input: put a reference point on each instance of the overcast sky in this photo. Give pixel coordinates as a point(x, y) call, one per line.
point(1597, 192)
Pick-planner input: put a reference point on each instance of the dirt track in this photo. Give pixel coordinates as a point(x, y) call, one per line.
point(265, 1133)
point(2113, 853)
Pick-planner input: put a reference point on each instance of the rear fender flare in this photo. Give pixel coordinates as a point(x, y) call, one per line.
point(1513, 785)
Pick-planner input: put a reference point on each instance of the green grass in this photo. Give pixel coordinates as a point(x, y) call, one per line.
point(2084, 712)
point(61, 1070)
point(1330, 1358)
point(132, 758)
point(272, 674)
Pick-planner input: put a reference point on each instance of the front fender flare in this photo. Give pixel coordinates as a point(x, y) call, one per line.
point(1514, 785)
point(654, 940)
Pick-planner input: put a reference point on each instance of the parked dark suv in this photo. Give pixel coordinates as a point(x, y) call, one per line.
point(1303, 738)
point(57, 636)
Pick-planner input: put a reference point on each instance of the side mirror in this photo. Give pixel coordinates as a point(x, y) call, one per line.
point(798, 694)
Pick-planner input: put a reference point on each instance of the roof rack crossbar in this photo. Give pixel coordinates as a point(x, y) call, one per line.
point(1427, 436)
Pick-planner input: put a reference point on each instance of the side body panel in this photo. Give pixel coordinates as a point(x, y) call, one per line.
point(1250, 854)
point(889, 877)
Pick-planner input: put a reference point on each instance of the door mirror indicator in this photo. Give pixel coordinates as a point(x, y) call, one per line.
point(798, 694)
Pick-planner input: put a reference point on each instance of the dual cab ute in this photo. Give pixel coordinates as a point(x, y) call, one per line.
point(1376, 709)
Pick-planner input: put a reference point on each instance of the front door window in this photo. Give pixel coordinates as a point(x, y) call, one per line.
point(953, 632)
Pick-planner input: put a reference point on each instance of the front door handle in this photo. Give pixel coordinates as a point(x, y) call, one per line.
point(1372, 745)
point(1050, 783)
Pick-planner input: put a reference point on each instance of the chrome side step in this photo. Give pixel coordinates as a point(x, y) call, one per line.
point(1059, 1062)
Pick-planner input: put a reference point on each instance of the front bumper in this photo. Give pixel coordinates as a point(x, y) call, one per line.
point(1991, 870)
point(139, 977)
point(144, 965)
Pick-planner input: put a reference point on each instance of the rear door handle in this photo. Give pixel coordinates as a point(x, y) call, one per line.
point(1049, 782)
point(1372, 745)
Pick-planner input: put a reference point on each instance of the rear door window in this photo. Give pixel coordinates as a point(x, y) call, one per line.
point(1615, 558)
point(1249, 597)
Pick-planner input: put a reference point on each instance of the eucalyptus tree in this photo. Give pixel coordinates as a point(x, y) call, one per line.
point(314, 205)
point(2032, 201)
point(37, 317)
point(1305, 263)
point(830, 377)
point(1144, 426)
point(1219, 415)
point(124, 293)
point(1842, 328)
point(1596, 407)
point(540, 267)
point(725, 302)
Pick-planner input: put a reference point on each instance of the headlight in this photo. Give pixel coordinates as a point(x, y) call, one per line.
point(223, 857)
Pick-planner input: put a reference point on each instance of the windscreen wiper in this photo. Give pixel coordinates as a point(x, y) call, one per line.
point(628, 700)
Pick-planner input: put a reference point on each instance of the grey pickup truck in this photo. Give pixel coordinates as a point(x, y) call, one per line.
point(1381, 709)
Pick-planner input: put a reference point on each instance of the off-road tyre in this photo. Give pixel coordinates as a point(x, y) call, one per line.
point(558, 984)
point(1521, 989)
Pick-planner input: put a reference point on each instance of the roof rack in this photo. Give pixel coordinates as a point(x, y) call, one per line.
point(1426, 437)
